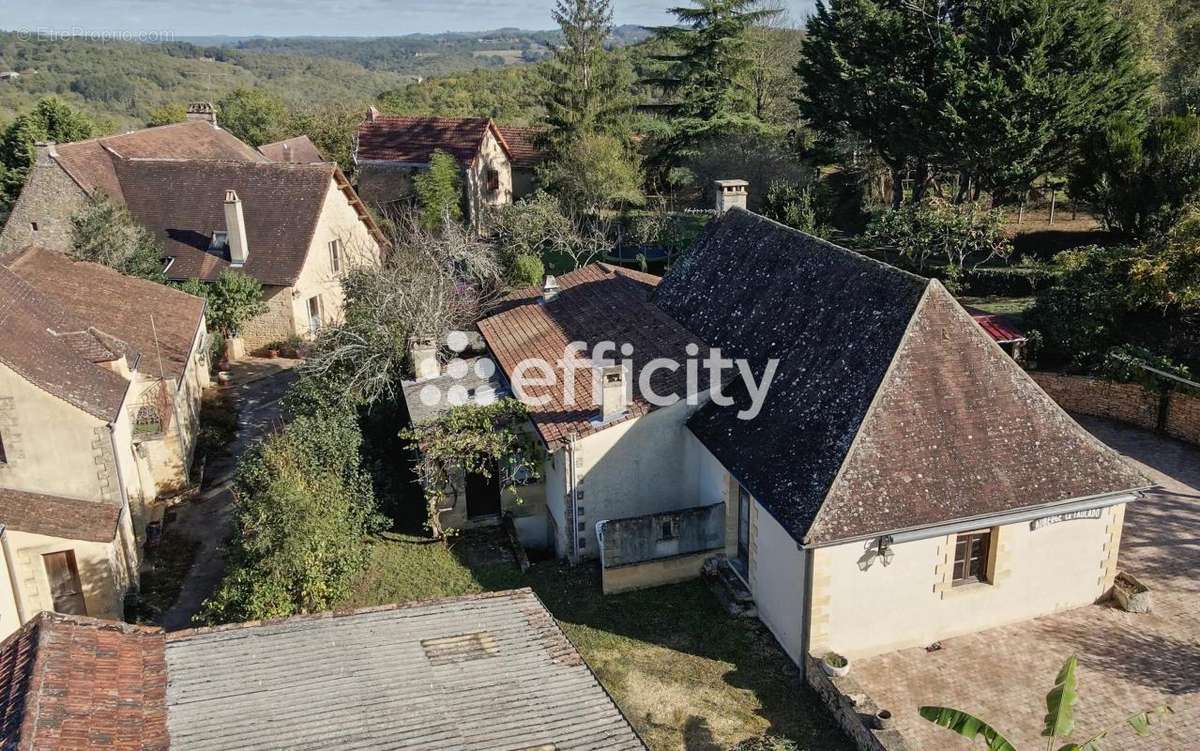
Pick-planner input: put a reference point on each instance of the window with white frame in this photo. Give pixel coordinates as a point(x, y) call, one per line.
point(335, 255)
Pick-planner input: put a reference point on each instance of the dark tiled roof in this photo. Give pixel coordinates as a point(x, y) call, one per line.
point(118, 305)
point(57, 516)
point(184, 202)
point(298, 150)
point(490, 671)
point(596, 303)
point(522, 144)
point(91, 163)
point(837, 323)
point(414, 139)
point(57, 352)
point(69, 683)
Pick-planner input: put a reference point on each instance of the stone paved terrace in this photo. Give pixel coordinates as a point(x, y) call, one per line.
point(1127, 662)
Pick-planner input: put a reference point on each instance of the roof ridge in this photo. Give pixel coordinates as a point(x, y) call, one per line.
point(851, 450)
point(322, 166)
point(101, 139)
point(328, 615)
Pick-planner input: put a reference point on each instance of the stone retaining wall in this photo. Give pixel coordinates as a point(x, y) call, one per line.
point(1172, 413)
point(853, 710)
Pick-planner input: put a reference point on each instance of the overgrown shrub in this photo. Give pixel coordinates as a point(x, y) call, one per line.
point(106, 233)
point(439, 191)
point(1007, 281)
point(800, 205)
point(527, 271)
point(304, 508)
point(233, 299)
point(937, 231)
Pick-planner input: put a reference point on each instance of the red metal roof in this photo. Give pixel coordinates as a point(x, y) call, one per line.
point(997, 327)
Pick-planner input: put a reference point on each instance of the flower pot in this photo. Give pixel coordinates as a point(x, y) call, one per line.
point(835, 665)
point(223, 377)
point(1131, 595)
point(883, 720)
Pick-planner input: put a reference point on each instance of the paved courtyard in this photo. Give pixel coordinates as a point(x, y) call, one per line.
point(1127, 662)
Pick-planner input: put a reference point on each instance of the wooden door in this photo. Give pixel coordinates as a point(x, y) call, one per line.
point(65, 587)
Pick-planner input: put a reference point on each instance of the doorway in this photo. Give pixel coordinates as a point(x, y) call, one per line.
point(483, 494)
point(65, 588)
point(742, 561)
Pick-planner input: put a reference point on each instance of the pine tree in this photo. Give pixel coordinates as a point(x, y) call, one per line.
point(587, 86)
point(701, 76)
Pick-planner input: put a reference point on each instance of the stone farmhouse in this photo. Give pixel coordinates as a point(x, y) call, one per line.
point(902, 467)
point(498, 161)
point(479, 672)
point(217, 204)
point(100, 381)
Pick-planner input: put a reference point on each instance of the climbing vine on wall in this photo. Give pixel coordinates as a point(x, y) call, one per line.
point(483, 439)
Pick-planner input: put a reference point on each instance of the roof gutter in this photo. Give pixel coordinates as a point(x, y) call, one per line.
point(911, 534)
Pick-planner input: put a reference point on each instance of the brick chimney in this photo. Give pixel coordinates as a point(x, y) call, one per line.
point(235, 229)
point(422, 351)
point(372, 114)
point(614, 401)
point(202, 111)
point(730, 193)
point(550, 289)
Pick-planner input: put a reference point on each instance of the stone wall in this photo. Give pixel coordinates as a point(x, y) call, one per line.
point(276, 325)
point(42, 214)
point(1172, 413)
point(853, 710)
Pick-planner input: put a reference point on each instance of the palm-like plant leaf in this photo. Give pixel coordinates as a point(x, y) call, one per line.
point(967, 726)
point(1060, 702)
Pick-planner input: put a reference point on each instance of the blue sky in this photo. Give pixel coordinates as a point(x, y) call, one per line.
point(305, 17)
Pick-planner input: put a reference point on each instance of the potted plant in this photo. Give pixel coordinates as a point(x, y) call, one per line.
point(1131, 595)
point(835, 665)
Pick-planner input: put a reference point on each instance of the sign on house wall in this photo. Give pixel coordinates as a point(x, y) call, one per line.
point(1046, 521)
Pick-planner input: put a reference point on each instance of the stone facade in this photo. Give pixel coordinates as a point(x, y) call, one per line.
point(277, 324)
point(42, 214)
point(1172, 413)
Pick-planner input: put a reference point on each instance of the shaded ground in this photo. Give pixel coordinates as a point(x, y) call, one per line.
point(1127, 662)
point(256, 387)
point(688, 676)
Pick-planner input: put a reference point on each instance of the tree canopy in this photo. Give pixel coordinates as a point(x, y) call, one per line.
point(106, 233)
point(51, 120)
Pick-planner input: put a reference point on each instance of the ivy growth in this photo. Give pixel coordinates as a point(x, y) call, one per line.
point(482, 439)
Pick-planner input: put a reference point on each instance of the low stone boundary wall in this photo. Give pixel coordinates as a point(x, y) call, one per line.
point(854, 710)
point(1172, 413)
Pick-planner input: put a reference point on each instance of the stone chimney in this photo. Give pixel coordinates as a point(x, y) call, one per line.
point(235, 229)
point(730, 193)
point(202, 111)
point(422, 351)
point(614, 400)
point(550, 289)
point(372, 114)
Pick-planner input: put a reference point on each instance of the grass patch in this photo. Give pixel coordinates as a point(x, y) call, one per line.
point(1014, 308)
point(167, 564)
point(686, 674)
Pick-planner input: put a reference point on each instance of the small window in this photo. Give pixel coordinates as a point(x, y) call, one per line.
point(971, 557)
point(3, 456)
point(335, 255)
point(220, 241)
point(667, 530)
point(492, 179)
point(34, 226)
point(314, 314)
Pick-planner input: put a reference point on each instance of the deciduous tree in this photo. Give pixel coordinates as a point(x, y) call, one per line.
point(106, 233)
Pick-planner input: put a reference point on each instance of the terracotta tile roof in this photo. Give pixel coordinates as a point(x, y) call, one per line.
point(522, 144)
point(998, 327)
point(57, 352)
point(58, 516)
point(69, 683)
point(485, 671)
point(298, 150)
point(91, 163)
point(117, 305)
point(596, 303)
point(890, 408)
point(184, 202)
point(414, 139)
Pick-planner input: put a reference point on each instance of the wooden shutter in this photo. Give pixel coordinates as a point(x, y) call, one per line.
point(65, 587)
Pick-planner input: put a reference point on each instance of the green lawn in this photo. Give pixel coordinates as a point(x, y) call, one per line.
point(687, 675)
point(1014, 308)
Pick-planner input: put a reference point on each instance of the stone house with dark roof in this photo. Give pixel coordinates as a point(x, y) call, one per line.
point(904, 480)
point(100, 381)
point(294, 226)
point(420, 675)
point(497, 161)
